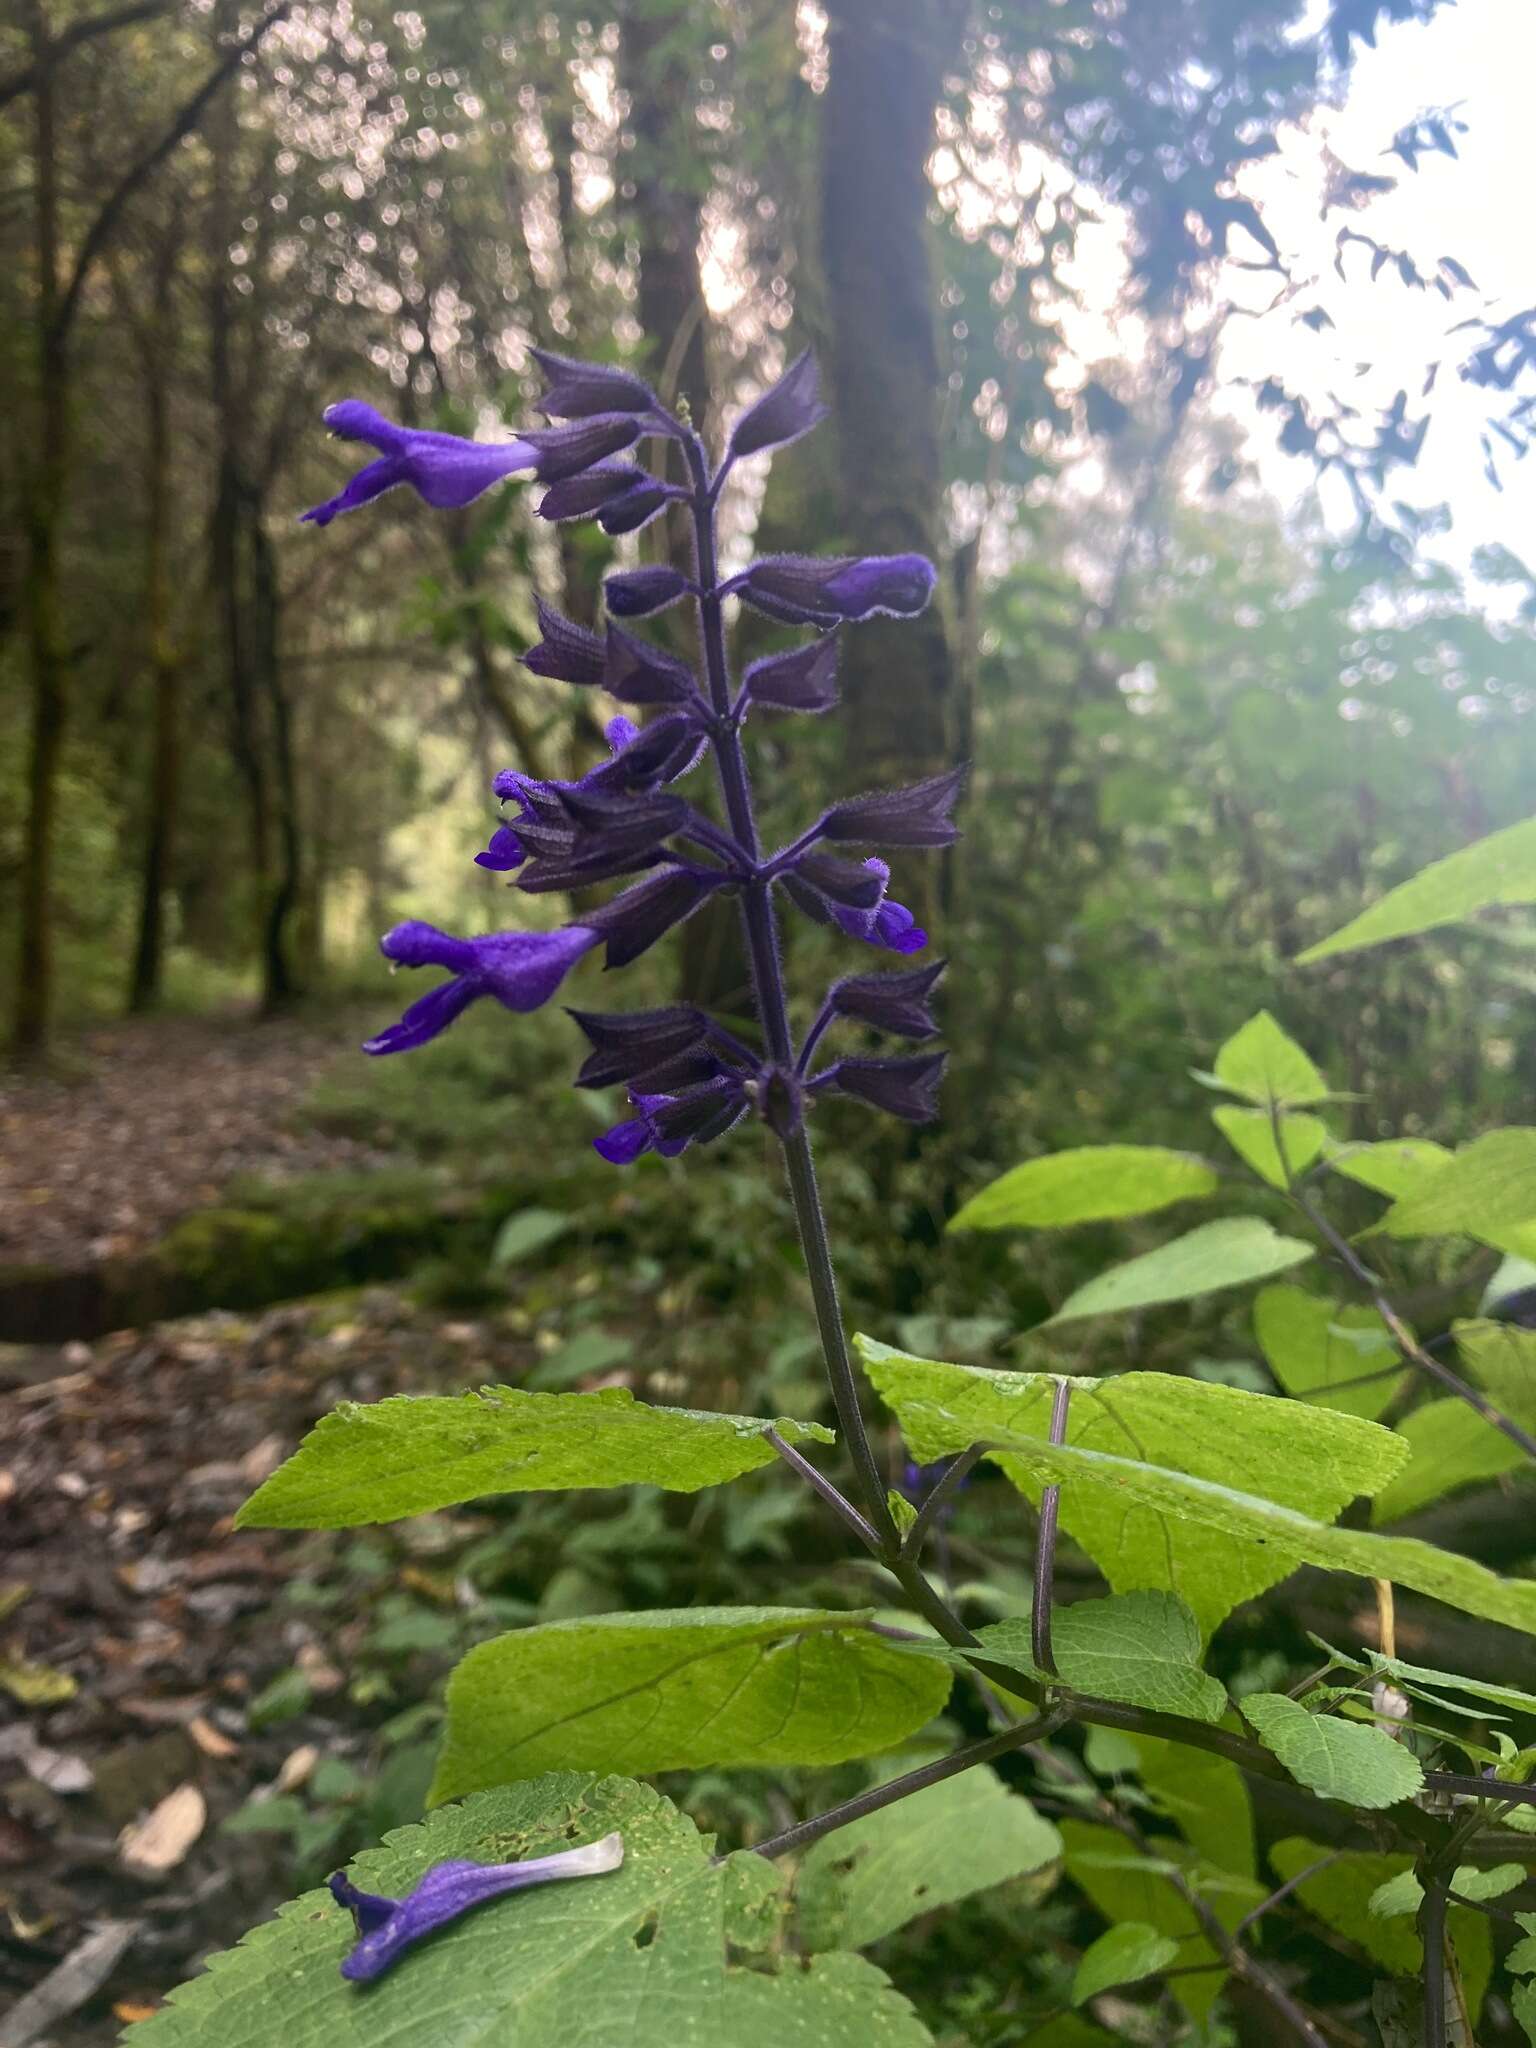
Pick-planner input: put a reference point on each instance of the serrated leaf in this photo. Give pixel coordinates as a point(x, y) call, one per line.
point(873, 1876)
point(1125, 1955)
point(643, 1954)
point(1334, 1758)
point(1450, 1446)
point(1313, 1346)
point(1500, 869)
point(1394, 1167)
point(1126, 1887)
point(1217, 1255)
point(1306, 1458)
point(1245, 1540)
point(1264, 1063)
point(1399, 1672)
point(1251, 1134)
point(378, 1461)
point(1087, 1185)
point(1487, 1190)
point(681, 1689)
point(525, 1233)
point(1522, 2000)
point(1140, 1648)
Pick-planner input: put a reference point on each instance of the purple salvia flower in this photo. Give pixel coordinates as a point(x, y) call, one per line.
point(635, 593)
point(505, 852)
point(444, 469)
point(897, 1003)
point(637, 507)
point(386, 1928)
point(852, 897)
point(669, 1124)
point(905, 1087)
point(786, 411)
point(632, 923)
point(583, 496)
point(804, 680)
point(565, 452)
point(802, 590)
point(565, 651)
point(917, 815)
point(576, 390)
point(628, 1044)
point(522, 970)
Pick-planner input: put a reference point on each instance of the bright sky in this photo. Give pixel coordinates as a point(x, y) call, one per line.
point(1478, 57)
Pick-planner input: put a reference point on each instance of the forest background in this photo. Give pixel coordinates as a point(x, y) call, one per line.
point(1099, 305)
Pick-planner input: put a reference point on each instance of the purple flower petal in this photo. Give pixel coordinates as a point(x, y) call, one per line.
point(387, 1927)
point(426, 1017)
point(623, 1144)
point(807, 590)
point(787, 410)
point(444, 469)
point(505, 852)
point(576, 390)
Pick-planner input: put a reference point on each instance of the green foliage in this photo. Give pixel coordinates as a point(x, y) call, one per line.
point(1264, 1063)
point(1087, 1185)
point(1143, 1648)
point(1124, 1955)
point(943, 1844)
point(529, 1231)
point(1500, 869)
point(1252, 1135)
point(405, 1456)
point(1501, 1358)
point(1337, 1759)
point(1314, 1346)
point(1304, 1462)
point(681, 1689)
point(1450, 1447)
point(1487, 1191)
point(1394, 1167)
point(1216, 1255)
point(671, 1946)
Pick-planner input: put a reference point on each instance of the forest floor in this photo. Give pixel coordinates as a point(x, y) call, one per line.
point(153, 1119)
point(162, 1676)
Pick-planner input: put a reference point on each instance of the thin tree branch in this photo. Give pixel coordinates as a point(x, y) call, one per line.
point(806, 1831)
point(67, 39)
point(1432, 1934)
point(105, 224)
point(1284, 1891)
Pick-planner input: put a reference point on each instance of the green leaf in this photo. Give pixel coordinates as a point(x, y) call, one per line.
point(1487, 1190)
point(525, 1233)
point(1405, 1894)
point(379, 1461)
point(1313, 1345)
point(1399, 1672)
point(1501, 1357)
point(1125, 1955)
point(647, 1955)
point(1496, 870)
point(1306, 1458)
point(1337, 1759)
point(1245, 1541)
point(1340, 1894)
point(679, 1690)
point(1397, 1166)
point(942, 1844)
point(1088, 1185)
point(1140, 1648)
point(1451, 1446)
point(1225, 1254)
point(1522, 2000)
point(1251, 1134)
point(1206, 1798)
point(1125, 1887)
point(1264, 1063)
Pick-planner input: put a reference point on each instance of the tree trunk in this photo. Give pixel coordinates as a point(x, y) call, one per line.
point(164, 779)
point(888, 59)
point(49, 668)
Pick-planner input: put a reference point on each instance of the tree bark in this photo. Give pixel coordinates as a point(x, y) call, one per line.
point(44, 497)
point(888, 59)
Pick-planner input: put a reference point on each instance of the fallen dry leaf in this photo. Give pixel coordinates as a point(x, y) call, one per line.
point(210, 1740)
point(159, 1842)
point(298, 1765)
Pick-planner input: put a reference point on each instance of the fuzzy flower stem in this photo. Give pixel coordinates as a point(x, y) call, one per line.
point(768, 988)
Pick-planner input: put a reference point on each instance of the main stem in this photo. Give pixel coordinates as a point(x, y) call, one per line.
point(768, 988)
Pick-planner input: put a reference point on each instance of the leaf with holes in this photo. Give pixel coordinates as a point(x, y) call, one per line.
point(682, 1689)
point(943, 1844)
point(1336, 1759)
point(1306, 1459)
point(379, 1461)
point(1217, 1255)
point(1088, 1185)
point(670, 1947)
